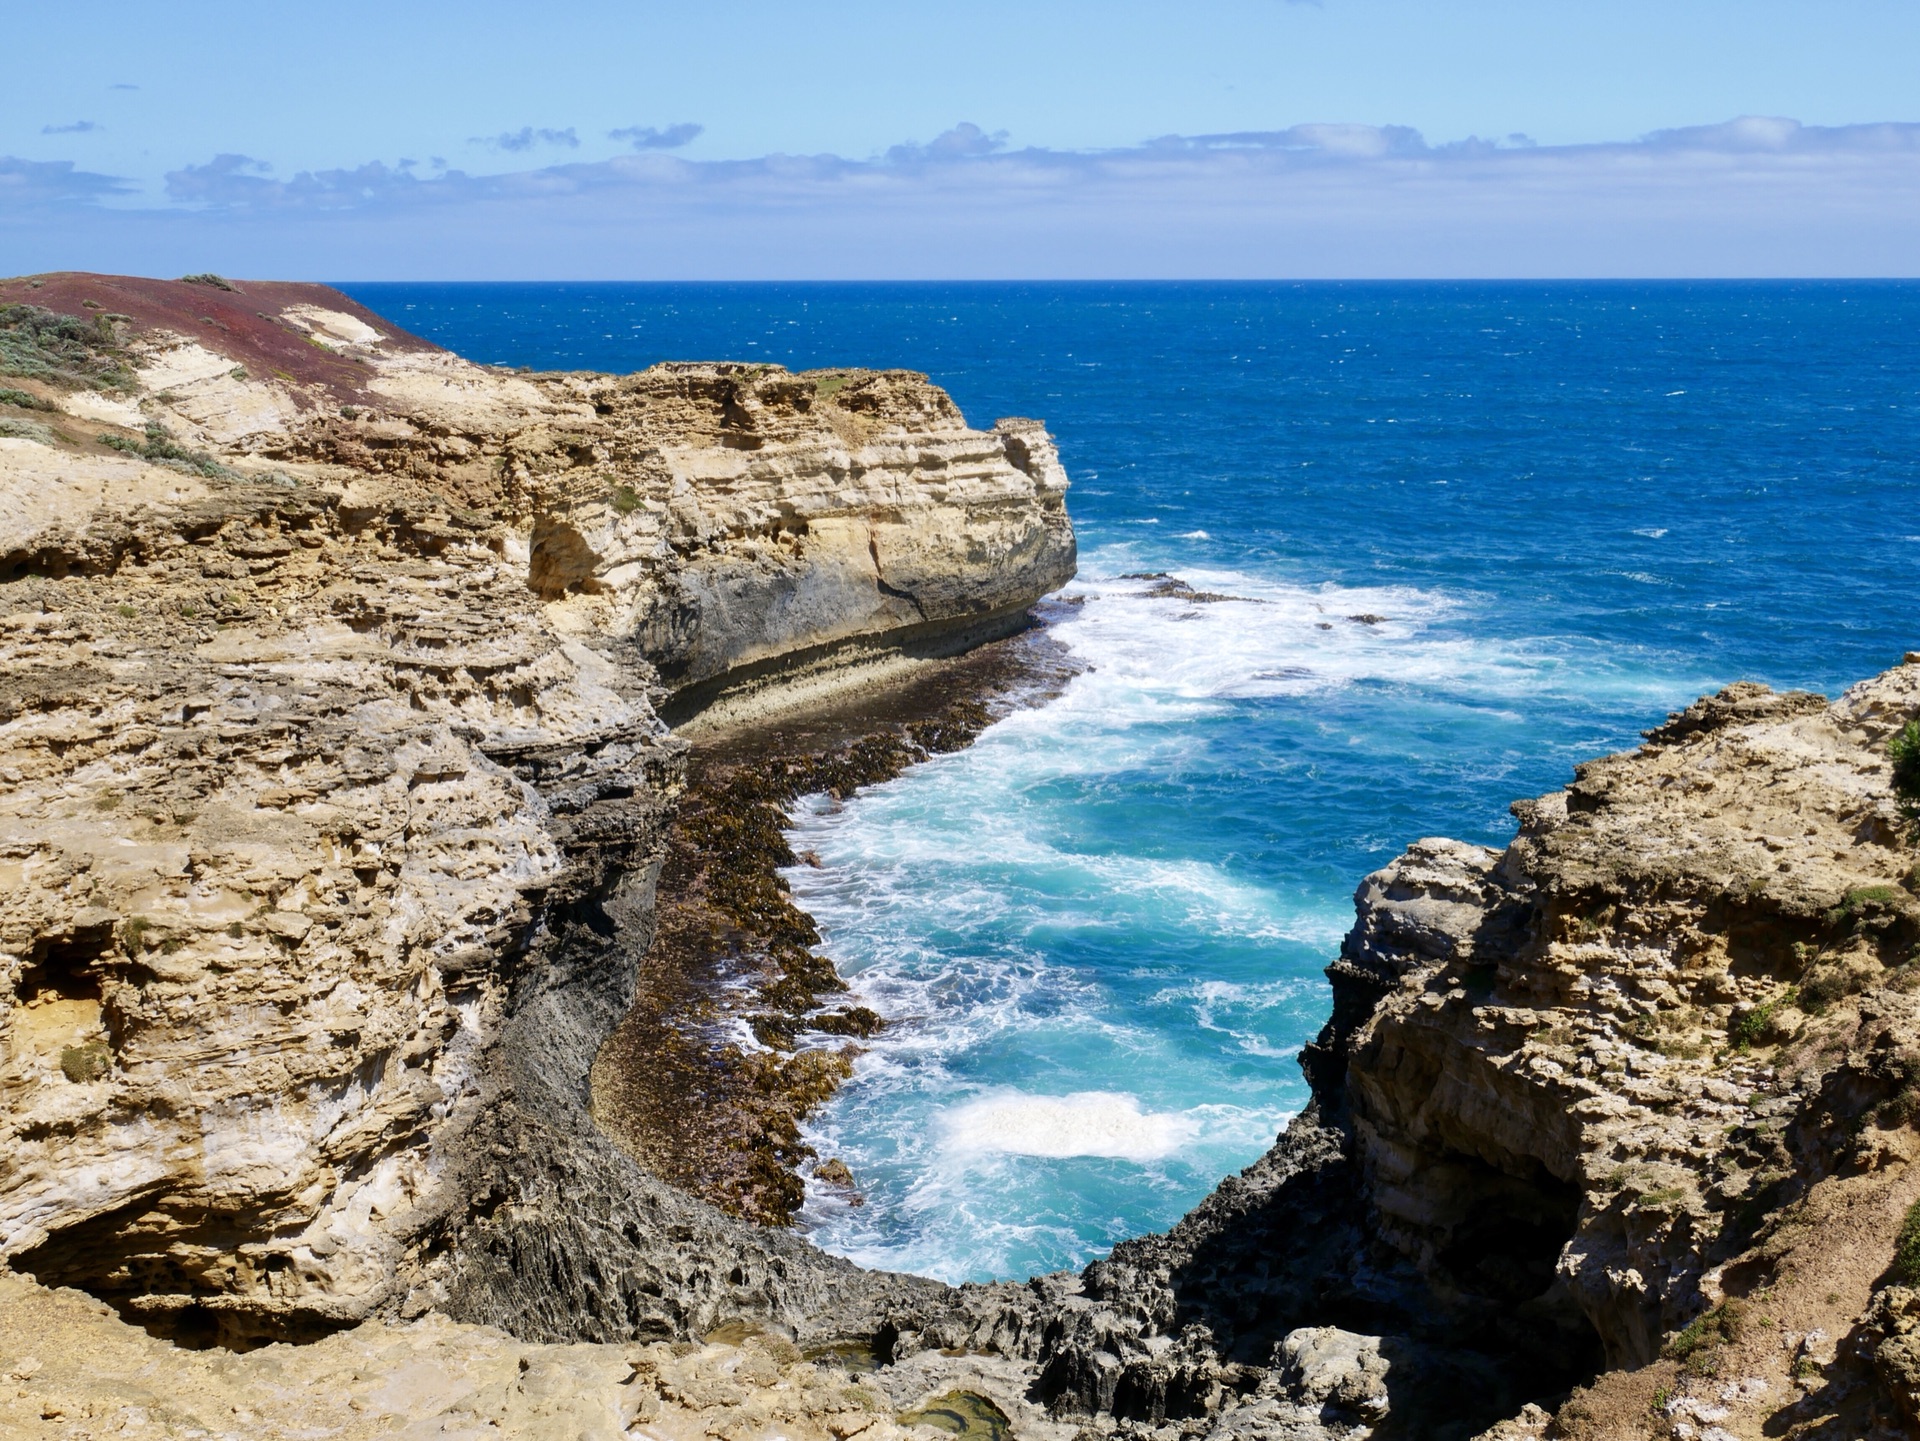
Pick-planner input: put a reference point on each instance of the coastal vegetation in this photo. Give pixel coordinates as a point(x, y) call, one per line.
point(64, 350)
point(159, 446)
point(1904, 751)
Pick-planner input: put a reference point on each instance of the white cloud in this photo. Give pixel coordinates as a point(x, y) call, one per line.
point(27, 185)
point(1756, 195)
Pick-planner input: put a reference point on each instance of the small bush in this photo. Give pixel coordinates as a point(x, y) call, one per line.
point(1904, 751)
point(161, 448)
point(1822, 991)
point(208, 278)
point(1898, 1111)
point(1863, 900)
point(90, 1062)
point(13, 429)
point(63, 350)
point(21, 399)
point(1711, 1329)
point(1906, 1249)
point(625, 500)
point(1751, 1029)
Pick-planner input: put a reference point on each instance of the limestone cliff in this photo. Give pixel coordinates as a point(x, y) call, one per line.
point(335, 781)
point(335, 794)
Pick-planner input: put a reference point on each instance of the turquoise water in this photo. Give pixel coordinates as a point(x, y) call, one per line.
point(1100, 931)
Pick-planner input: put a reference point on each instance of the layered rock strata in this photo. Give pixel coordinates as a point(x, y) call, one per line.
point(336, 797)
point(335, 785)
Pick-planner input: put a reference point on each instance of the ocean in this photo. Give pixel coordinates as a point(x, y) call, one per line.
point(1435, 544)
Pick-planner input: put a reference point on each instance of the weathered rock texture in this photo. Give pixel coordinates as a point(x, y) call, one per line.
point(1635, 1096)
point(335, 786)
point(335, 790)
point(69, 1369)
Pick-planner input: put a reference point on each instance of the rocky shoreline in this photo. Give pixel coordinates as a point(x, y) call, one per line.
point(674, 1084)
point(340, 822)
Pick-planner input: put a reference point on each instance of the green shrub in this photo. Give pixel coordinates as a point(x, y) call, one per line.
point(207, 277)
point(63, 350)
point(162, 448)
point(1863, 899)
point(1904, 751)
point(90, 1062)
point(13, 429)
point(1906, 1249)
point(1822, 991)
point(21, 399)
point(1711, 1329)
point(1751, 1029)
point(625, 500)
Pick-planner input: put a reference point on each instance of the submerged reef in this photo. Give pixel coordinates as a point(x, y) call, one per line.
point(381, 977)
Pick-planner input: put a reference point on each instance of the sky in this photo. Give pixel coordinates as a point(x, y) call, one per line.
point(1258, 138)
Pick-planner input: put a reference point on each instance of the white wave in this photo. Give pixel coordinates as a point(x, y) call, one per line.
point(975, 912)
point(1151, 647)
point(1085, 1123)
point(1193, 535)
point(1651, 532)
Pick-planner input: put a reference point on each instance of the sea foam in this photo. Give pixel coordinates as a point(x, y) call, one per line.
point(1085, 1123)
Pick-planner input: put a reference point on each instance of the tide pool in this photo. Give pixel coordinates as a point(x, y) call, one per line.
point(1437, 544)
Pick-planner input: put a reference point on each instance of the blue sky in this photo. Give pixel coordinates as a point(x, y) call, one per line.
point(1254, 137)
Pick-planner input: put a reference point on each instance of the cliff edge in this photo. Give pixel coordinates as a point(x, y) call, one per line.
point(1612, 1132)
point(335, 782)
point(336, 788)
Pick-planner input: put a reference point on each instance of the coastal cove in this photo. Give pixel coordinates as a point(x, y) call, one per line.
point(545, 900)
point(1566, 510)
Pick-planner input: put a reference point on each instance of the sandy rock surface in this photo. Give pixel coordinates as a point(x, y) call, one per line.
point(70, 1370)
point(333, 782)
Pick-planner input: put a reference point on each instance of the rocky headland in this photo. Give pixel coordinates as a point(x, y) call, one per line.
point(340, 813)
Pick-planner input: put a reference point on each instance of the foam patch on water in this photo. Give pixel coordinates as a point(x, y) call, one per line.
point(1096, 982)
point(1274, 638)
point(1085, 1123)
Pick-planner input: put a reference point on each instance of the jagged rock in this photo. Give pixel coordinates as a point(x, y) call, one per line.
point(334, 792)
point(336, 785)
point(1334, 1369)
point(1892, 1327)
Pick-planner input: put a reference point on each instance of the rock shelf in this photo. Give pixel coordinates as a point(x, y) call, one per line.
point(341, 824)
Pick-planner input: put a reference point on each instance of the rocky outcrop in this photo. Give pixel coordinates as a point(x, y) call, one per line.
point(68, 1368)
point(335, 786)
point(1631, 1100)
point(335, 794)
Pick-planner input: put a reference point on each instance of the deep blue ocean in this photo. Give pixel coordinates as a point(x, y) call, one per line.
point(1100, 931)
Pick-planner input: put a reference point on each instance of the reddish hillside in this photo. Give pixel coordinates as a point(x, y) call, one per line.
point(243, 322)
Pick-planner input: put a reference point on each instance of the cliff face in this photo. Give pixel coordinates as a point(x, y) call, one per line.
point(1630, 1103)
point(335, 796)
point(335, 783)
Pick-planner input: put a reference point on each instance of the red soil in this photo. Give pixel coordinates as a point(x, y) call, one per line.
point(243, 322)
